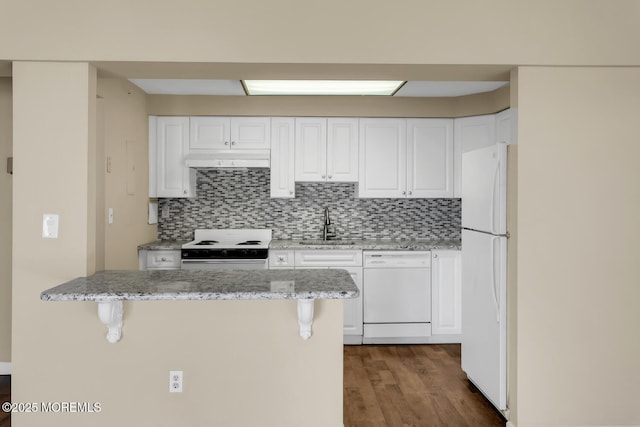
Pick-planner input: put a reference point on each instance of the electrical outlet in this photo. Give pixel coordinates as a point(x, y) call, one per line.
point(175, 381)
point(50, 226)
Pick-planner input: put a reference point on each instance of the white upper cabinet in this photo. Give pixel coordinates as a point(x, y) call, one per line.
point(311, 149)
point(471, 133)
point(342, 149)
point(383, 158)
point(173, 177)
point(224, 133)
point(153, 156)
point(406, 158)
point(282, 157)
point(326, 149)
point(250, 132)
point(210, 133)
point(430, 158)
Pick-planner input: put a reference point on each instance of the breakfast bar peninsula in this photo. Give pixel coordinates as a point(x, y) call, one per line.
point(268, 330)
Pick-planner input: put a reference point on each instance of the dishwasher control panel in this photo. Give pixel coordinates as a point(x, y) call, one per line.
point(396, 259)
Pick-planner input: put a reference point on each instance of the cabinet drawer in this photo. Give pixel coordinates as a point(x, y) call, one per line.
point(163, 259)
point(328, 258)
point(281, 258)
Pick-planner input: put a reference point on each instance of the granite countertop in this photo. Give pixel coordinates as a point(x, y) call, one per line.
point(366, 244)
point(206, 285)
point(163, 245)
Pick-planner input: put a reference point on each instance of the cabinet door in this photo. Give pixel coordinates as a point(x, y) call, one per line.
point(430, 158)
point(471, 133)
point(153, 156)
point(281, 258)
point(174, 178)
point(353, 306)
point(311, 149)
point(282, 157)
point(250, 132)
point(383, 158)
point(163, 260)
point(342, 150)
point(446, 287)
point(209, 133)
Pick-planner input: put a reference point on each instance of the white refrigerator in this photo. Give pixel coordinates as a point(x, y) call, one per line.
point(484, 271)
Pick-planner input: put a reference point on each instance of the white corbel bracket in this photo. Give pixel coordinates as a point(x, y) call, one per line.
point(305, 317)
point(110, 313)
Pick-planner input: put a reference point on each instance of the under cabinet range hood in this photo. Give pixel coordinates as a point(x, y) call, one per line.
point(229, 159)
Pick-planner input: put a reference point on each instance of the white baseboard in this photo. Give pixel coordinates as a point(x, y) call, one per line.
point(352, 340)
point(5, 368)
point(444, 339)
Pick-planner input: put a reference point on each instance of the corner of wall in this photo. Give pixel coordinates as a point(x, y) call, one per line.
point(6, 195)
point(124, 111)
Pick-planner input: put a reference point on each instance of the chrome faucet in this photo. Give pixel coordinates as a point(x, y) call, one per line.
point(326, 231)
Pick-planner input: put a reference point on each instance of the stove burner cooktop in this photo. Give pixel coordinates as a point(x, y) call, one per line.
point(206, 242)
point(231, 244)
point(249, 242)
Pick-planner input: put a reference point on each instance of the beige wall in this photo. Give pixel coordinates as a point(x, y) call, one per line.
point(359, 31)
point(6, 182)
point(125, 135)
point(575, 363)
point(356, 106)
point(244, 362)
point(578, 209)
point(51, 149)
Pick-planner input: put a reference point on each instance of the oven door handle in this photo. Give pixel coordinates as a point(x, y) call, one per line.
point(223, 261)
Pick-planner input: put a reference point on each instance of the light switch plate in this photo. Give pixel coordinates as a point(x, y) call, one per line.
point(153, 212)
point(50, 226)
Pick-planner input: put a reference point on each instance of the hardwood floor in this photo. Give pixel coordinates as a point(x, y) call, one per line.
point(411, 385)
point(396, 386)
point(5, 396)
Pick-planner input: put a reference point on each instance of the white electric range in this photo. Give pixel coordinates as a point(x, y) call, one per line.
point(227, 249)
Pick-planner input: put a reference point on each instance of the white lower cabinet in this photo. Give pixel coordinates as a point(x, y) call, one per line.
point(353, 310)
point(159, 259)
point(348, 260)
point(446, 296)
point(281, 258)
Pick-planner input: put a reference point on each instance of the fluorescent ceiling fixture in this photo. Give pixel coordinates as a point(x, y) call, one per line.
point(447, 89)
point(321, 87)
point(189, 86)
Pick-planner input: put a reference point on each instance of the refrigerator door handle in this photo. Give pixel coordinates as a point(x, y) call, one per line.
point(495, 259)
point(494, 199)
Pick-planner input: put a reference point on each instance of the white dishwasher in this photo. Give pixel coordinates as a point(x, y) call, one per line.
point(397, 297)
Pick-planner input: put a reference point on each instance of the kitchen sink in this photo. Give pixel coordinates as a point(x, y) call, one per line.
point(327, 242)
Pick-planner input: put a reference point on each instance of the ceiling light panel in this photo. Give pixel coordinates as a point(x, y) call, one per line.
point(321, 87)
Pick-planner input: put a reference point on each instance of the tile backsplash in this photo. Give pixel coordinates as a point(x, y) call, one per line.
point(234, 198)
